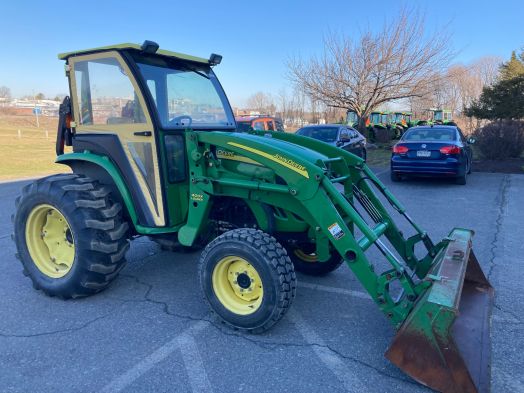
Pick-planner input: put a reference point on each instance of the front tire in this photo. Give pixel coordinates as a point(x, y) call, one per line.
point(70, 235)
point(247, 279)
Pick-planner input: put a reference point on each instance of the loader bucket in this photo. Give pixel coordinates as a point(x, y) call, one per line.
point(444, 343)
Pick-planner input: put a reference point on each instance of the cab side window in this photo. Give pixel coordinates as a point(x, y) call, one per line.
point(176, 162)
point(106, 94)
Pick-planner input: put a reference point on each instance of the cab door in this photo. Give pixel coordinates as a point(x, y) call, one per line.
point(107, 101)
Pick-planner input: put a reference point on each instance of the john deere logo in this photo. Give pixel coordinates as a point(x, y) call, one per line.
point(288, 163)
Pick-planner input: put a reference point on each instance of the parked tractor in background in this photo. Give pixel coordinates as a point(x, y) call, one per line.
point(402, 120)
point(436, 116)
point(155, 153)
point(443, 116)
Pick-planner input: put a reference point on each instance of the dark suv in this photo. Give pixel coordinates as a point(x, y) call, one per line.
point(339, 135)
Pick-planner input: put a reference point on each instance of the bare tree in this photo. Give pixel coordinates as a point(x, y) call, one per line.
point(262, 103)
point(399, 62)
point(487, 69)
point(5, 92)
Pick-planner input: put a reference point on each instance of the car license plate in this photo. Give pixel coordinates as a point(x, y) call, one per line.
point(423, 153)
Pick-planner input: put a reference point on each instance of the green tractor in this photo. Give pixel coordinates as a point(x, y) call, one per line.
point(402, 121)
point(155, 153)
point(443, 116)
point(436, 116)
point(380, 126)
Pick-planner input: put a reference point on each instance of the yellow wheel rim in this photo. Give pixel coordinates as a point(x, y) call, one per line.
point(310, 258)
point(237, 285)
point(50, 241)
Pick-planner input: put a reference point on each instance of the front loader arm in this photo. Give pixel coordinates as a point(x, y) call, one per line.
point(309, 189)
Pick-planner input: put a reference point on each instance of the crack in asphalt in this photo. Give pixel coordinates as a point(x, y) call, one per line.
point(65, 330)
point(514, 315)
point(262, 344)
point(503, 195)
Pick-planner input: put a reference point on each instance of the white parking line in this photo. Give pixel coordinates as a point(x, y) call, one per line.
point(195, 369)
point(346, 375)
point(340, 291)
point(120, 383)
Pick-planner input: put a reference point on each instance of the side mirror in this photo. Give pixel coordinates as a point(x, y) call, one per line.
point(471, 140)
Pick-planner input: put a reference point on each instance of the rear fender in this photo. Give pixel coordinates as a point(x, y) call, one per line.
point(101, 168)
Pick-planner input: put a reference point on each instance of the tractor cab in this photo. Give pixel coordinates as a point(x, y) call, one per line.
point(375, 118)
point(134, 104)
point(352, 118)
point(442, 116)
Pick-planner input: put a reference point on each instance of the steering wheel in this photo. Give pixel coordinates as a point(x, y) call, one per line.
point(178, 119)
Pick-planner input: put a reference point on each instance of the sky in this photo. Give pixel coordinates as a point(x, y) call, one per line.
point(255, 39)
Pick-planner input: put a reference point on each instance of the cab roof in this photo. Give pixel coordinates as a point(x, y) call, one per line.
point(127, 46)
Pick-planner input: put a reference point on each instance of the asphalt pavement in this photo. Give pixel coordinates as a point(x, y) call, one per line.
point(151, 331)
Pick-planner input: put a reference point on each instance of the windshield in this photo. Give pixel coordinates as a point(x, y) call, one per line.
point(186, 95)
point(352, 117)
point(375, 118)
point(324, 134)
point(438, 115)
point(384, 118)
point(430, 134)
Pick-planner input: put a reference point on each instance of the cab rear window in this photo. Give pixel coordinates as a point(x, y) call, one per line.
point(430, 134)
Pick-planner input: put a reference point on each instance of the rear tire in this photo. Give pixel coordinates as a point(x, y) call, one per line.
point(76, 234)
point(307, 262)
point(247, 279)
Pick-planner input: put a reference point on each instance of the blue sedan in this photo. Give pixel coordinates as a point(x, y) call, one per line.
point(432, 151)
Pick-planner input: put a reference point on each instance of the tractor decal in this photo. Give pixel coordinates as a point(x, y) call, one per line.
point(300, 169)
point(229, 155)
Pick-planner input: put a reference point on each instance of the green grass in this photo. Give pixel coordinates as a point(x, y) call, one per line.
point(30, 155)
point(380, 156)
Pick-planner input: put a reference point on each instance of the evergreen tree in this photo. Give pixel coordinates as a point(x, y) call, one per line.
point(512, 68)
point(503, 100)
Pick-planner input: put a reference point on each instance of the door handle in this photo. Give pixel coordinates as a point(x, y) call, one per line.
point(143, 133)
